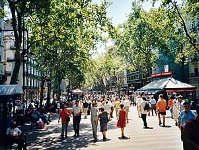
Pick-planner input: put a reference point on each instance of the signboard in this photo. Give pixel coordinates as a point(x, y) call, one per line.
point(161, 74)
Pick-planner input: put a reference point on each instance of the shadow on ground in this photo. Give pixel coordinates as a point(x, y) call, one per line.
point(49, 138)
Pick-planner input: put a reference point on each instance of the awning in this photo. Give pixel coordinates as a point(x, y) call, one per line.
point(167, 85)
point(149, 91)
point(10, 89)
point(77, 91)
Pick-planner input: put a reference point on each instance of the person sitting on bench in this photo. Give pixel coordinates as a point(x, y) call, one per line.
point(14, 136)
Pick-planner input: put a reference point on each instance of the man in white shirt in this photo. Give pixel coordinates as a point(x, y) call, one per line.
point(14, 135)
point(144, 112)
point(153, 105)
point(107, 108)
point(177, 108)
point(77, 111)
point(138, 101)
point(127, 104)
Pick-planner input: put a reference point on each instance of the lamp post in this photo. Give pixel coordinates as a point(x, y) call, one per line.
point(41, 90)
point(48, 80)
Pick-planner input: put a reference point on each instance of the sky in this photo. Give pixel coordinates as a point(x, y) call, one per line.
point(118, 11)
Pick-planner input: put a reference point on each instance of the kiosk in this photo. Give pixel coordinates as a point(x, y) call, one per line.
point(8, 96)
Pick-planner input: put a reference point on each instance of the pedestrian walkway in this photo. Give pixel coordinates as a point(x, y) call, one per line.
point(158, 138)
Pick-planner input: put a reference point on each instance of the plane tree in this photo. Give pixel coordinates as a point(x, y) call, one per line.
point(63, 38)
point(21, 9)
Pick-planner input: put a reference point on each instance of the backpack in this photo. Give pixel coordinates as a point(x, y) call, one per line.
point(147, 106)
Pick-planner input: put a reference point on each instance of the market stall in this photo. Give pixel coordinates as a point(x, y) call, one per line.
point(169, 86)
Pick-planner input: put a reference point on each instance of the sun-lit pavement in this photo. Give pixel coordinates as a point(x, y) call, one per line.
point(158, 138)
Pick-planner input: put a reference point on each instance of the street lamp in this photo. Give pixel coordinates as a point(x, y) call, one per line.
point(48, 80)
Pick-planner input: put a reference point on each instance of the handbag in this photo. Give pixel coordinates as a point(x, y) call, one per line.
point(68, 118)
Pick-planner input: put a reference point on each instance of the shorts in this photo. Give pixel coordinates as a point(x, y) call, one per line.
point(162, 113)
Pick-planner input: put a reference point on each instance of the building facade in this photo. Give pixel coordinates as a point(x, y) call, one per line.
point(2, 61)
point(29, 76)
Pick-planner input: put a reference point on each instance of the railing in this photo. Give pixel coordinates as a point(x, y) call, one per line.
point(10, 59)
point(194, 74)
point(8, 73)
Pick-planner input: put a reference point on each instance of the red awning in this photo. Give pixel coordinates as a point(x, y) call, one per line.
point(180, 90)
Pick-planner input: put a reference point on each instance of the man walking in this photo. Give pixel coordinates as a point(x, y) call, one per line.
point(127, 104)
point(153, 105)
point(144, 112)
point(185, 115)
point(85, 109)
point(77, 111)
point(94, 120)
point(161, 108)
point(138, 101)
point(177, 108)
point(190, 134)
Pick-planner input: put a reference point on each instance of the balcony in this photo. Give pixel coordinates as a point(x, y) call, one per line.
point(194, 75)
point(12, 47)
point(8, 73)
point(10, 59)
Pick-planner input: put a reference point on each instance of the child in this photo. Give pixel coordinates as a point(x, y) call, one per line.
point(103, 118)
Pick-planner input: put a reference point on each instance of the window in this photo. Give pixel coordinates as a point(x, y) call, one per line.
point(196, 72)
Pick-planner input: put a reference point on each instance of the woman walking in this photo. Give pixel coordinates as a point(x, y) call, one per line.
point(64, 115)
point(103, 118)
point(123, 119)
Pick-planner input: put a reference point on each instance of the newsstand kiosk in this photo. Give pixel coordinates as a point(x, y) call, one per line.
point(8, 95)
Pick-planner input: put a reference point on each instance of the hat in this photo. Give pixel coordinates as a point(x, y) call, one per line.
point(180, 96)
point(186, 102)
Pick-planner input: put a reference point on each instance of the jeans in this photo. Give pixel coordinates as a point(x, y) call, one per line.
point(76, 122)
point(64, 129)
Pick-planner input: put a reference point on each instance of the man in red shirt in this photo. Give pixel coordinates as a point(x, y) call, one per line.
point(64, 114)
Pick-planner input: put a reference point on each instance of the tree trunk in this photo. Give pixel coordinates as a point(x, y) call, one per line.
point(16, 69)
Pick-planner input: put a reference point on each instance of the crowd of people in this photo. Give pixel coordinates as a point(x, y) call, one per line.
point(102, 110)
point(181, 113)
